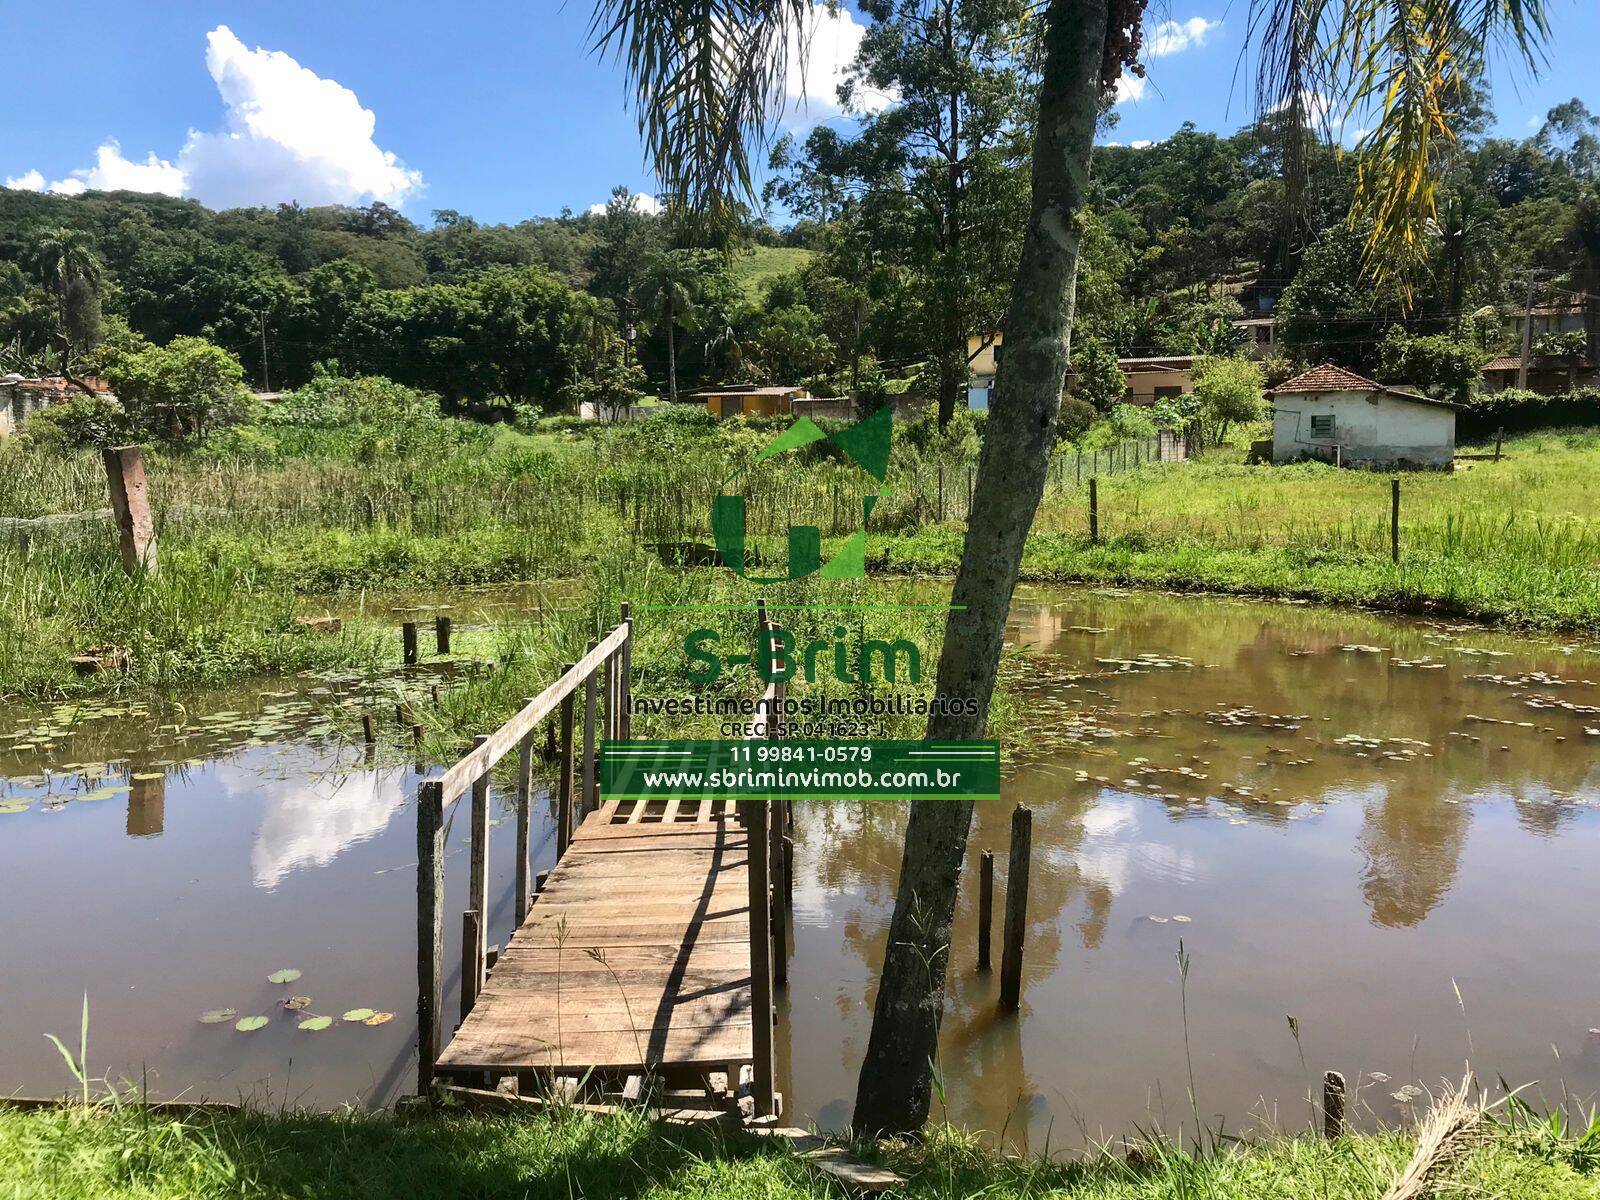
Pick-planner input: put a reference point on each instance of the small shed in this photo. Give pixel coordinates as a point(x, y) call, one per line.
point(1335, 415)
point(752, 401)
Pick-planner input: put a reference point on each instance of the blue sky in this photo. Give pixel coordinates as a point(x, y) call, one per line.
point(494, 109)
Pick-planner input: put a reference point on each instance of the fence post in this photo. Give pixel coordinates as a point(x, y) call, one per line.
point(1016, 909)
point(1332, 1105)
point(985, 906)
point(1394, 519)
point(940, 509)
point(1094, 509)
point(130, 505)
point(564, 779)
point(1078, 476)
point(441, 634)
point(408, 641)
point(430, 928)
point(471, 966)
point(478, 888)
point(1499, 436)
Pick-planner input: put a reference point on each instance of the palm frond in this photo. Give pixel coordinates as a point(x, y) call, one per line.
point(708, 80)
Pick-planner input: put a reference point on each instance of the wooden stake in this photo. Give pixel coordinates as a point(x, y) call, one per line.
point(369, 731)
point(1332, 1105)
point(1394, 519)
point(408, 641)
point(441, 633)
point(590, 748)
point(1016, 909)
point(1094, 509)
point(763, 1084)
point(478, 887)
point(1499, 436)
point(471, 939)
point(130, 505)
point(524, 820)
point(564, 778)
point(985, 906)
point(625, 683)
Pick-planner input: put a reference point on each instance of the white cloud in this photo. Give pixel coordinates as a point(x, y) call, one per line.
point(288, 134)
point(1130, 88)
point(1317, 107)
point(1174, 37)
point(643, 202)
point(28, 181)
point(830, 45)
point(1141, 144)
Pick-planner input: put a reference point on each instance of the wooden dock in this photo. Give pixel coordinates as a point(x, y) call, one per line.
point(641, 961)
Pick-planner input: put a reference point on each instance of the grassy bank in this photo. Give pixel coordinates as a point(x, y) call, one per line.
point(131, 1153)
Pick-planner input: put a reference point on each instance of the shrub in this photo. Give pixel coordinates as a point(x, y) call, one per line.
point(1229, 391)
point(81, 420)
point(175, 391)
point(1519, 411)
point(1097, 378)
point(1441, 366)
point(1074, 418)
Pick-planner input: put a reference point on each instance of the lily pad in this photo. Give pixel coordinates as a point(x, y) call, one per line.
point(250, 1024)
point(218, 1016)
point(287, 975)
point(359, 1014)
point(313, 1024)
point(14, 806)
point(379, 1018)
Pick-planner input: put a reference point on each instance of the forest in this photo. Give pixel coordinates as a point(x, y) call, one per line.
point(889, 259)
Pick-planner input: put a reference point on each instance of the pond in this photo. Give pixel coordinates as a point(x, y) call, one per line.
point(1381, 828)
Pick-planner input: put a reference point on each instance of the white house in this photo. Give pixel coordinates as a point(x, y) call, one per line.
point(1335, 415)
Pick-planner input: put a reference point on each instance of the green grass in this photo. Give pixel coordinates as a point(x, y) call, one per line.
point(76, 1154)
point(752, 272)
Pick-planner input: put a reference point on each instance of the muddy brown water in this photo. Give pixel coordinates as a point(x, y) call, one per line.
point(1383, 828)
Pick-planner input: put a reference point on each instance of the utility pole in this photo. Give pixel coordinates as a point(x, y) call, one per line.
point(1527, 338)
point(266, 382)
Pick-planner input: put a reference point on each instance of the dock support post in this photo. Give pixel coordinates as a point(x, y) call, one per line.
point(1332, 1105)
point(471, 940)
point(430, 928)
point(564, 779)
point(478, 888)
point(1016, 909)
point(625, 690)
point(763, 1083)
point(590, 749)
point(524, 820)
point(985, 906)
point(441, 634)
point(408, 640)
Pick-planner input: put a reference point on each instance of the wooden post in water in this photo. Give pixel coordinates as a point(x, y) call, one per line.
point(586, 802)
point(985, 906)
point(369, 731)
point(408, 642)
point(130, 506)
point(441, 634)
point(1394, 519)
point(471, 978)
point(1094, 509)
point(478, 888)
point(1016, 909)
point(763, 1083)
point(1332, 1105)
point(564, 779)
point(430, 928)
point(524, 822)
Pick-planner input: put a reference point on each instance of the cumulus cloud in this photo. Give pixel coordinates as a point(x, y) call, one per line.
point(1174, 37)
point(28, 181)
point(1130, 88)
point(643, 202)
point(827, 48)
point(288, 134)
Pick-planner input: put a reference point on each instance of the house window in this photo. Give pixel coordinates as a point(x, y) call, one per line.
point(1168, 393)
point(1322, 425)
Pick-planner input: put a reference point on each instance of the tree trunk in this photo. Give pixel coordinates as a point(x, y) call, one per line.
point(892, 1094)
point(672, 353)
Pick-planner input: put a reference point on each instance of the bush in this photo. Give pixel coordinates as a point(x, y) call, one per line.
point(1519, 412)
point(1074, 419)
point(1097, 378)
point(1229, 391)
point(1441, 366)
point(175, 391)
point(335, 402)
point(81, 420)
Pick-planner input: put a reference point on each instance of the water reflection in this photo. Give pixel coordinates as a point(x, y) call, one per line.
point(308, 824)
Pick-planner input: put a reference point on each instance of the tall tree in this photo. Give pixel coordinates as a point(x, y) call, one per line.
point(67, 262)
point(707, 75)
point(668, 293)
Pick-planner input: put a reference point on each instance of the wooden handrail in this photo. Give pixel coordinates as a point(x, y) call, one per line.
point(458, 780)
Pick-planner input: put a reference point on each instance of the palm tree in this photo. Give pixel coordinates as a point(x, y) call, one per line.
point(66, 261)
point(670, 287)
point(708, 82)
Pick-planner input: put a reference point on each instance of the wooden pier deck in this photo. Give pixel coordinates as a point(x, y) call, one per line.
point(634, 957)
point(645, 960)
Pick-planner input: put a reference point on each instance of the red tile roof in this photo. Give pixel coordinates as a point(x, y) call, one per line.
point(1537, 362)
point(1329, 378)
point(56, 383)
